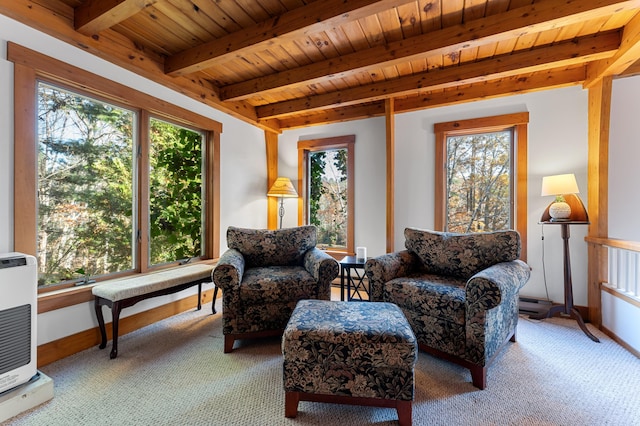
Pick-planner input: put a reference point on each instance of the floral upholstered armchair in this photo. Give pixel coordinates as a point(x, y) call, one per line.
point(458, 291)
point(264, 274)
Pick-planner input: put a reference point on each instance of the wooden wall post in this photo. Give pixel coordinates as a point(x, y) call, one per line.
point(390, 121)
point(271, 146)
point(598, 191)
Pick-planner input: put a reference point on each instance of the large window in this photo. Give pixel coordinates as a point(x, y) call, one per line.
point(85, 186)
point(326, 176)
point(108, 181)
point(481, 174)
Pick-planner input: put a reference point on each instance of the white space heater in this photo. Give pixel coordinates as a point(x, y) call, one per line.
point(18, 306)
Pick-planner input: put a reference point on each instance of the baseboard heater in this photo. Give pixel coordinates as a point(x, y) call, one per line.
point(533, 306)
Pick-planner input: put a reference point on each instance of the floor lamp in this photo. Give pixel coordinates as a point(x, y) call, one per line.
point(282, 188)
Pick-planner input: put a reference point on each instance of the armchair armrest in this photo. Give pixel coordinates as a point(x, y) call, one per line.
point(384, 268)
point(320, 265)
point(502, 281)
point(227, 274)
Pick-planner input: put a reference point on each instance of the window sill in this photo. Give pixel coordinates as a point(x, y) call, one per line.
point(58, 299)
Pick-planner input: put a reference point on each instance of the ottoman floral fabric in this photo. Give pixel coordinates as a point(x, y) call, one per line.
point(357, 349)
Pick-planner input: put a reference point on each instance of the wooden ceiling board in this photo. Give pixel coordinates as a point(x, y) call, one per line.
point(409, 18)
point(192, 16)
point(301, 61)
point(474, 9)
point(340, 41)
point(244, 12)
point(527, 41)
point(161, 29)
point(355, 34)
point(390, 25)
point(372, 31)
point(548, 37)
point(618, 20)
point(452, 12)
point(141, 38)
point(430, 15)
point(495, 7)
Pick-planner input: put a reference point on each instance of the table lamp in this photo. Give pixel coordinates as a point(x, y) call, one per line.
point(560, 186)
point(282, 188)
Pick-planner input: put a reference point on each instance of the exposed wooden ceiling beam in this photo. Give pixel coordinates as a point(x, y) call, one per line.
point(94, 16)
point(334, 115)
point(625, 57)
point(542, 80)
point(562, 54)
point(296, 23)
point(530, 19)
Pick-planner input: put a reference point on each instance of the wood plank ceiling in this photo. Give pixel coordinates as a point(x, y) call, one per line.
point(282, 64)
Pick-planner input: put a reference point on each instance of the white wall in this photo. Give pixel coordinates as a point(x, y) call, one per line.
point(618, 315)
point(242, 175)
point(370, 176)
point(557, 144)
point(624, 152)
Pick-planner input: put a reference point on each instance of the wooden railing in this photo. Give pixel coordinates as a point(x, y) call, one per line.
point(621, 270)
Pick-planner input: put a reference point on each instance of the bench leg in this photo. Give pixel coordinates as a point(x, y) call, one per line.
point(103, 331)
point(213, 302)
point(199, 296)
point(115, 312)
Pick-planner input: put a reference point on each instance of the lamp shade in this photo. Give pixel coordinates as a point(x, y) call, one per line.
point(559, 185)
point(282, 187)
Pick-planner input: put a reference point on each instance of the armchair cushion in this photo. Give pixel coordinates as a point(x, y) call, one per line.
point(461, 255)
point(264, 247)
point(273, 285)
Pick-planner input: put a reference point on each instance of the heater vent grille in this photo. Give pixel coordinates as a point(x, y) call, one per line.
point(15, 338)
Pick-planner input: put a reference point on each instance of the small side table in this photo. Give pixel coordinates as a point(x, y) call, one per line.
point(357, 284)
point(567, 309)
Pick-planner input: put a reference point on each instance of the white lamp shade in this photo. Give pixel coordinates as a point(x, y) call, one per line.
point(559, 185)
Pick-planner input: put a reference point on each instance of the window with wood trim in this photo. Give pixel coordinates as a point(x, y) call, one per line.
point(108, 181)
point(481, 175)
point(325, 168)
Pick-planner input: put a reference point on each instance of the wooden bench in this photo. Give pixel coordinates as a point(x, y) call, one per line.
point(126, 292)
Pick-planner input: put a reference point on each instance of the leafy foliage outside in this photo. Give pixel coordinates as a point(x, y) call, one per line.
point(87, 200)
point(85, 188)
point(175, 192)
point(328, 196)
point(479, 182)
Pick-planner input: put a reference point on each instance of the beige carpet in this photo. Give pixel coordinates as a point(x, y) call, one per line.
point(175, 373)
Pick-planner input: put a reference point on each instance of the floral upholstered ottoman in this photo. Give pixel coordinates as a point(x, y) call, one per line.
point(349, 353)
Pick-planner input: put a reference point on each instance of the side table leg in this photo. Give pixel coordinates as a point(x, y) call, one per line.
point(576, 315)
point(341, 283)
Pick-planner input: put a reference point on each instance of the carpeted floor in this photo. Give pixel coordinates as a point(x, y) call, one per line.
point(175, 373)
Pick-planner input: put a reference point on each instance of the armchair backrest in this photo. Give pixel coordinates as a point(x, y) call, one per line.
point(462, 255)
point(264, 247)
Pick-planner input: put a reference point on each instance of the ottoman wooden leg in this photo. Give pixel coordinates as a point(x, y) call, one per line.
point(404, 413)
point(291, 400)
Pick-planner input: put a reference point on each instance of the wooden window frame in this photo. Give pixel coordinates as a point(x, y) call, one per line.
point(518, 122)
point(31, 67)
point(313, 145)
